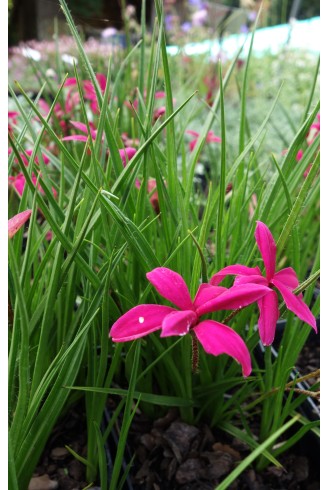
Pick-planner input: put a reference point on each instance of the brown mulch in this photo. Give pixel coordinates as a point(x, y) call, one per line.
point(170, 454)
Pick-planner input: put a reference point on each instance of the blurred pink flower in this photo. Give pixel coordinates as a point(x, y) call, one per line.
point(125, 153)
point(16, 222)
point(215, 337)
point(314, 131)
point(285, 281)
point(18, 183)
point(129, 141)
point(89, 90)
point(12, 120)
point(210, 138)
point(84, 129)
point(158, 113)
point(151, 186)
point(29, 153)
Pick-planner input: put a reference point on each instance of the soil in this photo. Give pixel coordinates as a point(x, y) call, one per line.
point(170, 454)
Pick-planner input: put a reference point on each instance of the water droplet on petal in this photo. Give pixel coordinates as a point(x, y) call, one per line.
point(141, 319)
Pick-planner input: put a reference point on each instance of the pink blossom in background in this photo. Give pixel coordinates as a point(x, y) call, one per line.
point(314, 131)
point(158, 113)
point(210, 138)
point(84, 129)
point(129, 141)
point(132, 104)
point(29, 153)
point(89, 90)
point(12, 120)
point(160, 95)
point(212, 85)
point(16, 222)
point(59, 113)
point(125, 153)
point(285, 281)
point(18, 182)
point(299, 155)
point(151, 185)
point(216, 338)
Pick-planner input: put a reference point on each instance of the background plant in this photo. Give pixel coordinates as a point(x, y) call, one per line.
point(105, 236)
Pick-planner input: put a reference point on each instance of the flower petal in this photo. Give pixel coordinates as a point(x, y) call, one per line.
point(267, 247)
point(75, 137)
point(237, 269)
point(84, 128)
point(17, 221)
point(269, 315)
point(127, 153)
point(102, 80)
point(258, 279)
point(193, 133)
point(70, 81)
point(288, 277)
point(138, 322)
point(296, 304)
point(80, 126)
point(171, 286)
point(178, 323)
point(206, 292)
point(217, 338)
point(235, 297)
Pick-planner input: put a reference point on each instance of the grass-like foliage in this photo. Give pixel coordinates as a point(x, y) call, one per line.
point(159, 164)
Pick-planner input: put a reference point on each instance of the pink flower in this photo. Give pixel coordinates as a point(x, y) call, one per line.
point(314, 131)
point(151, 186)
point(158, 113)
point(12, 116)
point(299, 155)
point(284, 280)
point(16, 222)
point(84, 129)
point(216, 338)
point(89, 90)
point(160, 95)
point(210, 138)
point(129, 141)
point(18, 183)
point(125, 153)
point(29, 153)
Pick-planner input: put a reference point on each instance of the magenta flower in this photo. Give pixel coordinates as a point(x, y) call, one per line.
point(12, 120)
point(216, 338)
point(210, 138)
point(158, 113)
point(18, 183)
point(151, 189)
point(29, 153)
point(313, 131)
point(125, 153)
point(84, 129)
point(89, 91)
point(61, 114)
point(16, 222)
point(284, 280)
